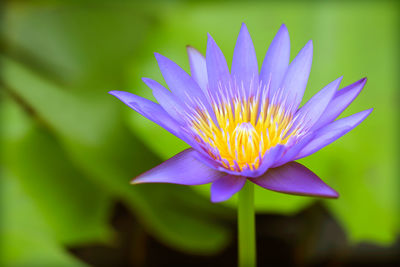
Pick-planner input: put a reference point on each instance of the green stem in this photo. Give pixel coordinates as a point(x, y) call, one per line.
point(247, 238)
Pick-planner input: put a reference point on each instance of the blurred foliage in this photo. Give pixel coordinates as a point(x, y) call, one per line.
point(69, 149)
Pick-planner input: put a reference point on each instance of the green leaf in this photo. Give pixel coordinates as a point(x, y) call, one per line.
point(25, 236)
point(75, 208)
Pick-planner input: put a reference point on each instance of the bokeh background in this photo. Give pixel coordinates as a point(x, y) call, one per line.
point(69, 149)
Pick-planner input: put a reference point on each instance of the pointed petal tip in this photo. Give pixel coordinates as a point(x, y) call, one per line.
point(210, 40)
point(363, 114)
point(149, 82)
point(309, 44)
point(360, 83)
point(338, 81)
point(283, 30)
point(295, 179)
point(363, 81)
point(159, 56)
point(335, 194)
point(183, 169)
point(282, 34)
point(307, 51)
point(113, 92)
point(134, 181)
point(244, 32)
point(146, 80)
point(243, 27)
point(119, 94)
point(190, 48)
point(307, 48)
point(328, 192)
point(137, 180)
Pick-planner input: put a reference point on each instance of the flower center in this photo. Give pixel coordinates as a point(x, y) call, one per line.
point(242, 131)
point(245, 133)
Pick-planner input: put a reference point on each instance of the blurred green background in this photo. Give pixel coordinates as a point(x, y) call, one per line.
point(69, 149)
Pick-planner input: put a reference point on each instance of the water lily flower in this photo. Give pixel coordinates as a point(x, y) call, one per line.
point(245, 124)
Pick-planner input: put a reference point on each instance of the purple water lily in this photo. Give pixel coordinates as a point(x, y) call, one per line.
point(245, 125)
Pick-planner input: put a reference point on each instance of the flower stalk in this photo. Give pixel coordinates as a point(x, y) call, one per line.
point(246, 226)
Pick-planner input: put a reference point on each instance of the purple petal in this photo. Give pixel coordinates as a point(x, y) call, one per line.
point(166, 99)
point(268, 160)
point(293, 151)
point(150, 110)
point(204, 157)
point(198, 67)
point(217, 69)
point(295, 80)
point(180, 83)
point(183, 169)
point(315, 107)
point(294, 178)
point(224, 188)
point(331, 132)
point(244, 62)
point(276, 60)
point(341, 100)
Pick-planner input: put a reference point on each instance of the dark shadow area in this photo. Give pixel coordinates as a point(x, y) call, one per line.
point(309, 238)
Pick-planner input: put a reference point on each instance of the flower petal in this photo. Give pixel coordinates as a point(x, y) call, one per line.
point(244, 62)
point(341, 100)
point(166, 99)
point(331, 132)
point(180, 83)
point(315, 107)
point(198, 67)
point(182, 168)
point(292, 151)
point(296, 77)
point(150, 110)
point(268, 160)
point(294, 178)
point(276, 60)
point(224, 188)
point(217, 68)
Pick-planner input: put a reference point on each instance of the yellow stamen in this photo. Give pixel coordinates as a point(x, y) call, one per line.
point(243, 131)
